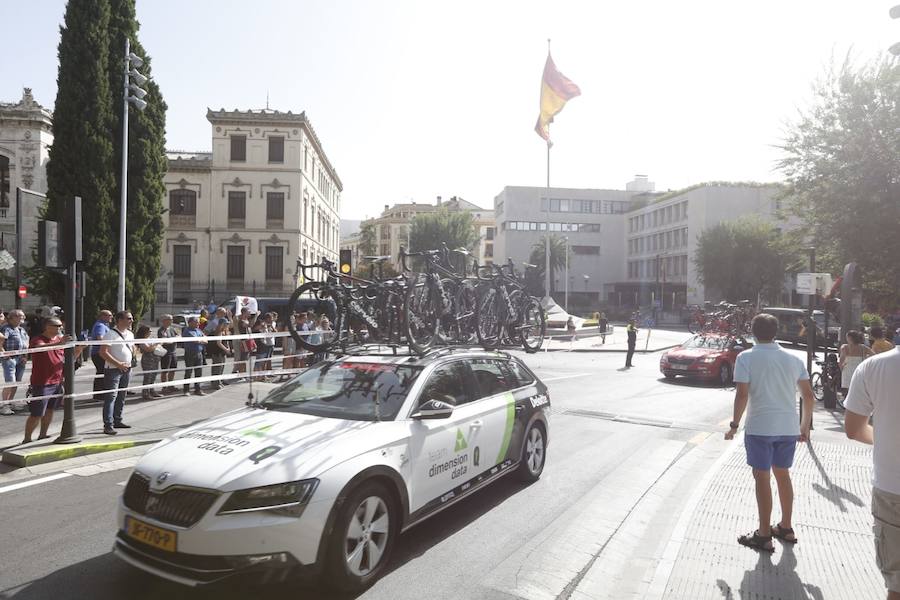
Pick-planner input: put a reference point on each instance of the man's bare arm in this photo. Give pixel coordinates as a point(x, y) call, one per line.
point(858, 428)
point(741, 396)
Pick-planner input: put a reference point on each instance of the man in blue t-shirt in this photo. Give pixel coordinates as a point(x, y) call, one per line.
point(768, 377)
point(100, 329)
point(193, 355)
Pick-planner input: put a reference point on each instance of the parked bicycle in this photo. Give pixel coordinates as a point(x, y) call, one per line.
point(505, 312)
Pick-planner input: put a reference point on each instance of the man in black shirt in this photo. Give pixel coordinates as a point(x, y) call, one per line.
point(632, 341)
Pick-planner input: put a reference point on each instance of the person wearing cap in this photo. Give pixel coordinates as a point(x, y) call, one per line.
point(117, 371)
point(47, 377)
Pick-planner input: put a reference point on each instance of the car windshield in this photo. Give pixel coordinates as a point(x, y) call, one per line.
point(707, 342)
point(357, 391)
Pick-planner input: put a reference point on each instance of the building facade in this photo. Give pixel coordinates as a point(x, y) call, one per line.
point(241, 215)
point(26, 134)
point(627, 248)
point(392, 228)
point(590, 220)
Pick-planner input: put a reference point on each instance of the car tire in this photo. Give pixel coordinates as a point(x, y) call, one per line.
point(534, 454)
point(365, 529)
point(725, 374)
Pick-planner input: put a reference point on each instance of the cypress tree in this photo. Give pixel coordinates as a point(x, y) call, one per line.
point(147, 163)
point(81, 157)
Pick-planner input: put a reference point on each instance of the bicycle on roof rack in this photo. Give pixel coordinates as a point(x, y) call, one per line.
point(440, 303)
point(365, 310)
point(504, 312)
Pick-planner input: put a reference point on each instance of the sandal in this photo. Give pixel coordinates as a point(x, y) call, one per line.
point(785, 534)
point(757, 542)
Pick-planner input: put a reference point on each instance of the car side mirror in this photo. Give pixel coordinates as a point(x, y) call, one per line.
point(433, 409)
point(737, 348)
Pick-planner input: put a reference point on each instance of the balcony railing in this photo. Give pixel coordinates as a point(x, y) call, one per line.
point(182, 220)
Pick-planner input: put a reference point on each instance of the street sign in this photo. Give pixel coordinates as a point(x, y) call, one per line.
point(6, 260)
point(23, 291)
point(813, 283)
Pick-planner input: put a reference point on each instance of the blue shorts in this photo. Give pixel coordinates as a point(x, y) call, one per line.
point(37, 408)
point(13, 367)
point(767, 451)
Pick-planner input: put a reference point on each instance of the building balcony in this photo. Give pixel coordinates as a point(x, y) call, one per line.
point(182, 221)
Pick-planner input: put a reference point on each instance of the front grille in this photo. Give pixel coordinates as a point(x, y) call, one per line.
point(177, 506)
point(675, 360)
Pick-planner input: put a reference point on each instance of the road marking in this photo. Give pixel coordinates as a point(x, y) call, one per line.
point(25, 484)
point(566, 377)
point(122, 483)
point(698, 439)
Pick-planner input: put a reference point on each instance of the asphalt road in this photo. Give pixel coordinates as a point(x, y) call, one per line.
point(621, 446)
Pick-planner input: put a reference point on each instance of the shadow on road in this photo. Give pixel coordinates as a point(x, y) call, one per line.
point(106, 577)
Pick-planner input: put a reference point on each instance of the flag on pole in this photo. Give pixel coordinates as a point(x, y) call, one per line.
point(556, 90)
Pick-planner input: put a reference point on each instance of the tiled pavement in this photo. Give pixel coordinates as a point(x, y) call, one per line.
point(834, 558)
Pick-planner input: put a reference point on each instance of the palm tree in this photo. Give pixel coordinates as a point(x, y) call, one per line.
point(558, 249)
point(367, 241)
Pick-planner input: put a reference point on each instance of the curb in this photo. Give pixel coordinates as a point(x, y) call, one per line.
point(656, 590)
point(29, 457)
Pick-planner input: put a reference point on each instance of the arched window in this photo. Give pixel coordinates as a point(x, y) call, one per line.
point(4, 186)
point(182, 208)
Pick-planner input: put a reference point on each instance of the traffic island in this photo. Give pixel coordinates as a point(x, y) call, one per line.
point(30, 455)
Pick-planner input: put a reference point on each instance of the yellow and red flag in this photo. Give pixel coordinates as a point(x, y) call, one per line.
point(556, 90)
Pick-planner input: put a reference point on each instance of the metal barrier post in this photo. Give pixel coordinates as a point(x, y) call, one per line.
point(69, 434)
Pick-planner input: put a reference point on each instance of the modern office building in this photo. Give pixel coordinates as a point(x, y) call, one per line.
point(629, 247)
point(240, 215)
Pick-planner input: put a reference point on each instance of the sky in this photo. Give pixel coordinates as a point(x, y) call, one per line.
point(414, 99)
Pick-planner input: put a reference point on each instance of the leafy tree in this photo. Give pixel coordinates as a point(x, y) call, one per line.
point(454, 228)
point(843, 169)
point(147, 163)
point(558, 250)
point(82, 153)
point(368, 244)
point(741, 259)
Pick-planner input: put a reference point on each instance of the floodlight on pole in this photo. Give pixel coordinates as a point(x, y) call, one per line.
point(895, 14)
point(140, 93)
point(133, 93)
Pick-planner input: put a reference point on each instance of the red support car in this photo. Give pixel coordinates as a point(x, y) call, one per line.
point(708, 356)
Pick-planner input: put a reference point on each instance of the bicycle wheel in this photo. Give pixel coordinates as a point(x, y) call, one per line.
point(328, 302)
point(487, 318)
point(421, 313)
point(464, 305)
point(817, 387)
point(531, 326)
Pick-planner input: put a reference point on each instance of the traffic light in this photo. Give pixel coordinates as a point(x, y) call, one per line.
point(346, 262)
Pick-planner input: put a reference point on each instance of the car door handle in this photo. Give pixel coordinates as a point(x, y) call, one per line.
point(476, 424)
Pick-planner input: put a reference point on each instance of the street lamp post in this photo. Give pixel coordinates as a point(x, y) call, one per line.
point(566, 298)
point(131, 60)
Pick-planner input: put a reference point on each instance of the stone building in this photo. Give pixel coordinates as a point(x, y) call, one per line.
point(26, 134)
point(392, 228)
point(240, 215)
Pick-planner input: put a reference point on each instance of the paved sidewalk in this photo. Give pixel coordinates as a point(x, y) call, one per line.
point(587, 340)
point(835, 555)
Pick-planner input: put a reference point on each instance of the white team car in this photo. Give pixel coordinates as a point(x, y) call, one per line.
point(324, 473)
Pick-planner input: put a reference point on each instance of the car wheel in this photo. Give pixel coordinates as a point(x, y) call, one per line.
point(534, 454)
point(362, 538)
point(725, 374)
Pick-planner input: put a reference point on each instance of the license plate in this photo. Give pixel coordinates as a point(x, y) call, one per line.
point(679, 367)
point(151, 535)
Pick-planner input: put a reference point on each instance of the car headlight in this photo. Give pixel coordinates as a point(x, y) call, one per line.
point(283, 498)
point(709, 359)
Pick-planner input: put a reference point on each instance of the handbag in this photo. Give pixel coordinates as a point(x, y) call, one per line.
point(248, 346)
point(160, 351)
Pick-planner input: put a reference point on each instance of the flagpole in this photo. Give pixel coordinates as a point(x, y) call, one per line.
point(547, 230)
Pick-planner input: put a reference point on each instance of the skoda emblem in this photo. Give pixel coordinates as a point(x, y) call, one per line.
point(152, 503)
point(161, 478)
